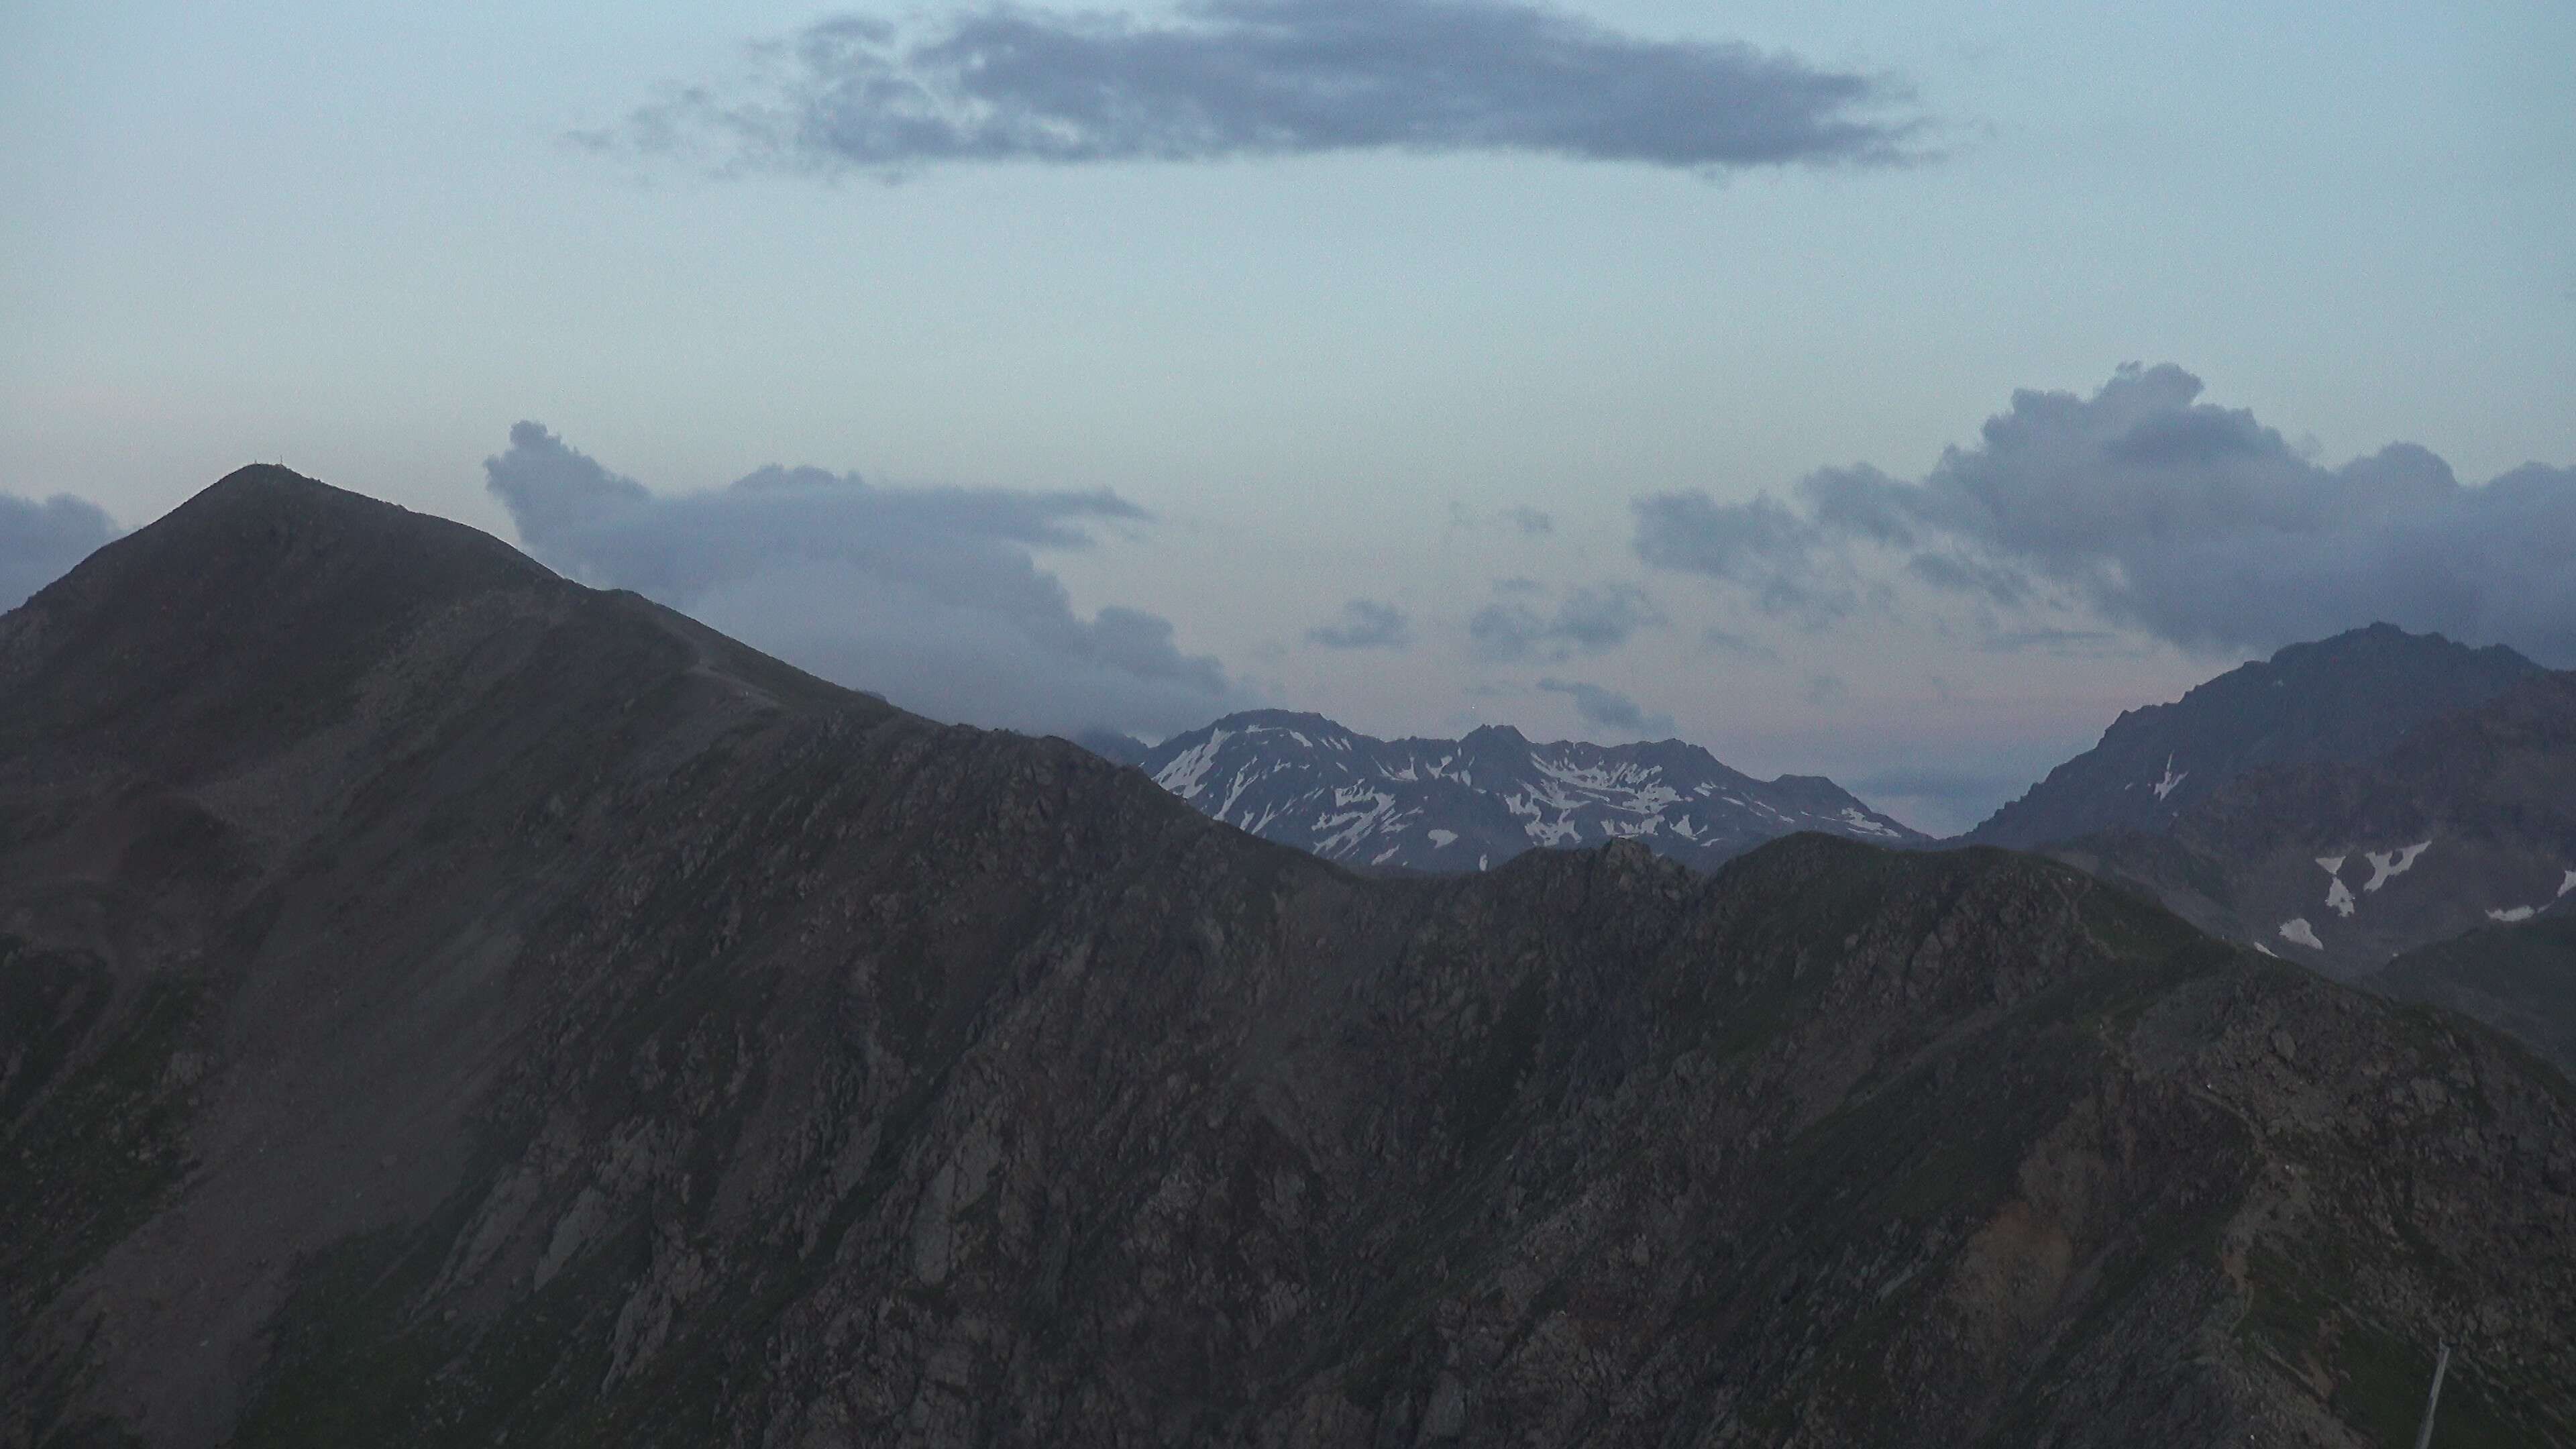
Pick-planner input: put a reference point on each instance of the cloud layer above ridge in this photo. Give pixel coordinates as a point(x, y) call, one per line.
point(40, 542)
point(2153, 511)
point(928, 596)
point(1236, 78)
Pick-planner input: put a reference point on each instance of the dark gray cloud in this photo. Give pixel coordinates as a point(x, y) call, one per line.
point(2072, 643)
point(1587, 621)
point(928, 596)
point(1782, 558)
point(2157, 512)
point(1532, 522)
point(1608, 708)
point(1722, 641)
point(1231, 78)
point(1364, 624)
point(39, 542)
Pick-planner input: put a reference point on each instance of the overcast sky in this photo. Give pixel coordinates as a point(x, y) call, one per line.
point(1890, 390)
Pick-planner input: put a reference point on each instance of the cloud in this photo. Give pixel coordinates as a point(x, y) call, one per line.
point(1235, 78)
point(1526, 521)
point(1589, 621)
point(1365, 624)
point(1777, 555)
point(928, 596)
point(2066, 643)
point(1608, 709)
point(2156, 512)
point(1722, 641)
point(40, 542)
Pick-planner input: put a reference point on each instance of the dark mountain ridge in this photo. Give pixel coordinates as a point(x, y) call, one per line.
point(446, 1004)
point(2468, 820)
point(2340, 700)
point(2519, 978)
point(1470, 804)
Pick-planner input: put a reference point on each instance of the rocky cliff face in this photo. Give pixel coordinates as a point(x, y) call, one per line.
point(446, 1005)
point(1471, 804)
point(2346, 699)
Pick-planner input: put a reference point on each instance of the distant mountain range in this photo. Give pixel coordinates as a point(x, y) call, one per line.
point(2348, 698)
point(2344, 804)
point(1473, 803)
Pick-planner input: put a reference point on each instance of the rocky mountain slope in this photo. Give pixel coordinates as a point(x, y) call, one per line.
point(1470, 804)
point(2345, 699)
point(2470, 820)
point(447, 1005)
point(2519, 978)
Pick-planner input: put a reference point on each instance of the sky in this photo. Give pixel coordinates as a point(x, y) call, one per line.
point(1895, 391)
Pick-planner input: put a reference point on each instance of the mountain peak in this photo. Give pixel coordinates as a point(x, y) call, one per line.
point(266, 584)
point(1472, 803)
point(252, 479)
point(2382, 639)
point(2335, 700)
point(272, 531)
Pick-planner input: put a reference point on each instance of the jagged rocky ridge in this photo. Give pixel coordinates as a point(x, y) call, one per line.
point(1470, 804)
point(446, 1004)
point(2346, 699)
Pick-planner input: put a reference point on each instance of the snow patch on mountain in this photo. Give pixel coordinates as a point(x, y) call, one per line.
point(2385, 864)
point(1306, 781)
point(2298, 932)
point(1865, 825)
point(1182, 775)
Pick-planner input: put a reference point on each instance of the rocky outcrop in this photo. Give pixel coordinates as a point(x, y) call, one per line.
point(448, 1005)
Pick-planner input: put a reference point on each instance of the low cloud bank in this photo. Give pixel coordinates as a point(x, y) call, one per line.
point(1588, 621)
point(929, 596)
point(40, 542)
point(2159, 513)
point(1364, 624)
point(1608, 709)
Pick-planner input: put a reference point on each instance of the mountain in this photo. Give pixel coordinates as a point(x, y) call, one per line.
point(441, 1004)
point(2519, 978)
point(2344, 699)
point(1110, 744)
point(1470, 804)
point(2469, 820)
